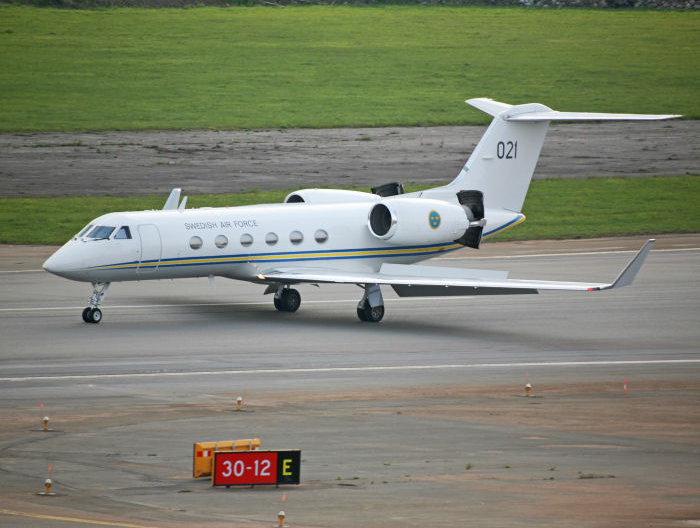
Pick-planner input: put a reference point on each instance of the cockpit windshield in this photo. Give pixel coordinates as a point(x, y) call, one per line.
point(100, 232)
point(84, 230)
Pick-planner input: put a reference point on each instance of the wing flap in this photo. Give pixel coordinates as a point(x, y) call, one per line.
point(410, 290)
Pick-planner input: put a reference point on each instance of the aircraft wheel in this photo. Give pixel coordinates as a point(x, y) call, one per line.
point(289, 300)
point(95, 315)
point(86, 314)
point(370, 314)
point(361, 312)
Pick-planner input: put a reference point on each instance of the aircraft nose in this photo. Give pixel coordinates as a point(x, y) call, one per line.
point(55, 264)
point(62, 263)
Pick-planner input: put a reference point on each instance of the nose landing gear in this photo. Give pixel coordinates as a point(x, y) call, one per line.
point(92, 314)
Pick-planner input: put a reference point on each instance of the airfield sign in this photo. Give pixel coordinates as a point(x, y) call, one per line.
point(232, 468)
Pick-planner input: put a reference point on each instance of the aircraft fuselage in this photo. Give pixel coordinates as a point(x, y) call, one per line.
point(240, 242)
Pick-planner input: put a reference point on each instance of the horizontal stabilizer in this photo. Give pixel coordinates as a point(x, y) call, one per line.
point(537, 112)
point(588, 116)
point(489, 106)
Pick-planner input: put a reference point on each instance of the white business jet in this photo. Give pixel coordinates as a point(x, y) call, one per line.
point(336, 236)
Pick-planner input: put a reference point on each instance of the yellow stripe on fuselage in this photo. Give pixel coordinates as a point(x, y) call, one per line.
point(505, 228)
point(379, 252)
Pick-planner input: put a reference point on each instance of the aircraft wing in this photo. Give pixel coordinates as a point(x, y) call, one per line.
point(416, 281)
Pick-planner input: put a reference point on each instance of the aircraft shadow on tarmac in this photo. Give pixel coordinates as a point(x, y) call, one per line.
point(314, 320)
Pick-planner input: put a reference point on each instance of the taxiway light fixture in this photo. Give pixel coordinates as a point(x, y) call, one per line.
point(239, 403)
point(281, 516)
point(528, 388)
point(47, 487)
point(46, 423)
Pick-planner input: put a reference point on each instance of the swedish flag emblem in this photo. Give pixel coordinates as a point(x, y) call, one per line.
point(434, 219)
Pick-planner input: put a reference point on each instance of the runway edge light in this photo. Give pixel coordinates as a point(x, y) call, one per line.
point(281, 515)
point(47, 485)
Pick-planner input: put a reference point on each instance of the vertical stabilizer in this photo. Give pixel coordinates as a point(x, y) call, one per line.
point(503, 162)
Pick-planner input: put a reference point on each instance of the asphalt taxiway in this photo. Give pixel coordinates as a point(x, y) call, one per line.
point(417, 421)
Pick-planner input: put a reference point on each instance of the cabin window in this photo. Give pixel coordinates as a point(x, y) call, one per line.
point(271, 239)
point(124, 233)
point(246, 240)
point(221, 241)
point(296, 237)
point(85, 230)
point(101, 232)
point(321, 236)
point(196, 242)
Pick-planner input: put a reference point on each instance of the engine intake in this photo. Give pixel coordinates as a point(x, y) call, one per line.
point(380, 220)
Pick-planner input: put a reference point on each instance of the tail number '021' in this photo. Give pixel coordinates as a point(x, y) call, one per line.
point(261, 468)
point(507, 149)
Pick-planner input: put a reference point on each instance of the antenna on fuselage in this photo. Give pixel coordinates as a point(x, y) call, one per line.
point(171, 203)
point(173, 200)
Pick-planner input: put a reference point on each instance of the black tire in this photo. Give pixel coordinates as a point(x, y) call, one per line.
point(86, 315)
point(95, 315)
point(291, 300)
point(278, 303)
point(361, 309)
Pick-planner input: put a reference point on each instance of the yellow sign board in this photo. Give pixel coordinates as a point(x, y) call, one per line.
point(203, 453)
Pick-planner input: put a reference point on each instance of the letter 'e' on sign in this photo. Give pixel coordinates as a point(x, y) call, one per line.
point(245, 468)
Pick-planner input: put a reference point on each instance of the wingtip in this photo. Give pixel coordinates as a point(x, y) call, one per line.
point(628, 274)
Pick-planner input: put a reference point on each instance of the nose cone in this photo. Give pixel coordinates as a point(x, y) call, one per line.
point(64, 263)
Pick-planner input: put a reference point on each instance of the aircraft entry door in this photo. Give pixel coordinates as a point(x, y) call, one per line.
point(150, 248)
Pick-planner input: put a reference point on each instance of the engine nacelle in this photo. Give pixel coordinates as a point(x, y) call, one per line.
point(415, 221)
point(329, 196)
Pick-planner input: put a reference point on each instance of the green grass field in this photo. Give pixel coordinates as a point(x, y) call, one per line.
point(554, 209)
point(322, 66)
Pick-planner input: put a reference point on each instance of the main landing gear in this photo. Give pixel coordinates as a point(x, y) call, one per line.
point(287, 299)
point(370, 309)
point(92, 314)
